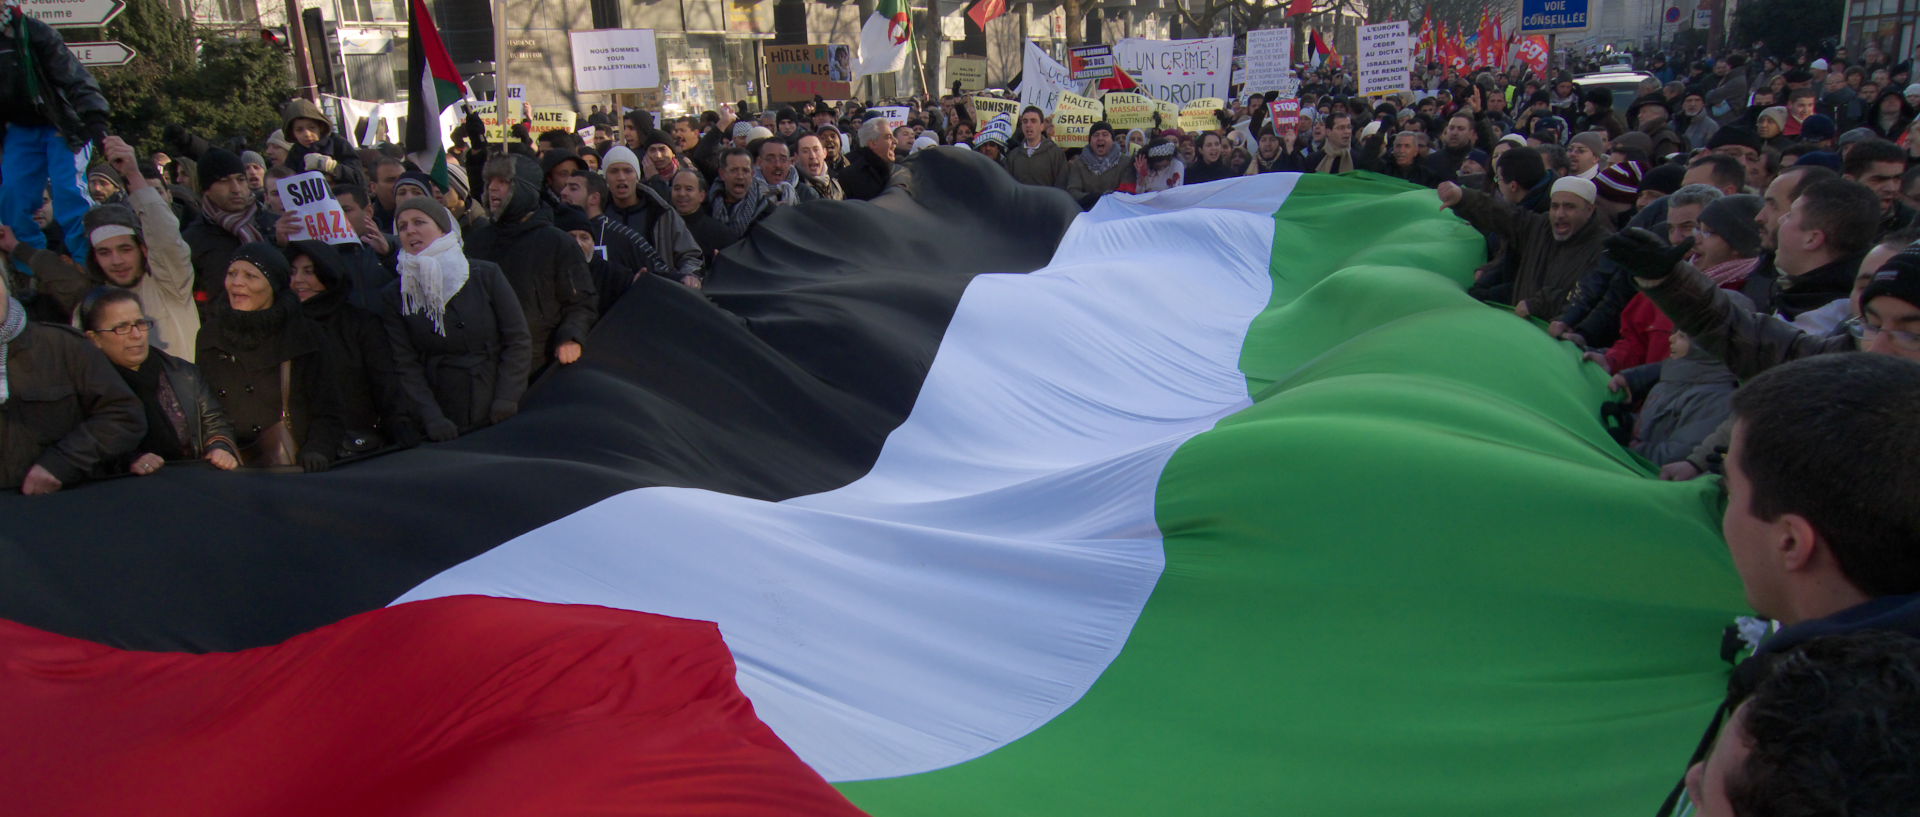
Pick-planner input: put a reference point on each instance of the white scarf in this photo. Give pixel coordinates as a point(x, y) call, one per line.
point(431, 279)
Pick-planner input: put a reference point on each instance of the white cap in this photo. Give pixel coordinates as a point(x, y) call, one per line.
point(1577, 186)
point(1819, 65)
point(1515, 139)
point(757, 133)
point(924, 141)
point(619, 155)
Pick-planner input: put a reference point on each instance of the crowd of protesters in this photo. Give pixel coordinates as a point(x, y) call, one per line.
point(1742, 212)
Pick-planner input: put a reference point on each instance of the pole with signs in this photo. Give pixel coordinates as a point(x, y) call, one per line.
point(99, 54)
point(76, 13)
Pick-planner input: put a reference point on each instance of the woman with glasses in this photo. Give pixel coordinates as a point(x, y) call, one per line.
point(184, 421)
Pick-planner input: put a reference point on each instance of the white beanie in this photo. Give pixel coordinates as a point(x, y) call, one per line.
point(757, 133)
point(617, 155)
point(924, 141)
point(1577, 186)
point(1819, 65)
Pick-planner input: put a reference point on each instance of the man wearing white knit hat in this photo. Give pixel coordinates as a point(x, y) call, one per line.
point(669, 248)
point(1548, 253)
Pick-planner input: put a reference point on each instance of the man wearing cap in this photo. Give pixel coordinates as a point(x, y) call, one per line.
point(1551, 251)
point(1819, 131)
point(660, 162)
point(1652, 117)
point(230, 215)
point(1098, 168)
point(1587, 154)
point(104, 184)
point(1618, 189)
point(1696, 126)
point(659, 237)
point(1744, 145)
point(256, 166)
point(1598, 113)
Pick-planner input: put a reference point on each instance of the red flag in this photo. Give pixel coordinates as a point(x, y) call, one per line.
point(1120, 81)
point(1533, 52)
point(984, 11)
point(1297, 7)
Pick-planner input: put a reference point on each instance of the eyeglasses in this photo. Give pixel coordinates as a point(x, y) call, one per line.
point(142, 326)
point(1866, 333)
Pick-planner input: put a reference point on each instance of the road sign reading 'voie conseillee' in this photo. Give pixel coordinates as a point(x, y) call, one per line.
point(106, 53)
point(74, 13)
point(1552, 16)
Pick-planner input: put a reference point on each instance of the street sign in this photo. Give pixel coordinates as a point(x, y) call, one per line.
point(107, 53)
point(1703, 19)
point(1673, 14)
point(1552, 16)
point(75, 13)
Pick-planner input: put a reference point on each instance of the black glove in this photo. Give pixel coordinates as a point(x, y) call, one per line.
point(441, 429)
point(502, 409)
point(314, 461)
point(1643, 255)
point(95, 128)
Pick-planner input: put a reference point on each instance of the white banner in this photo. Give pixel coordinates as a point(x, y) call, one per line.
point(1385, 61)
point(1269, 61)
point(612, 60)
point(1042, 80)
point(307, 196)
point(1178, 71)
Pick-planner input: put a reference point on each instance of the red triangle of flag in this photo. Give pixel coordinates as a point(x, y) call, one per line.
point(984, 11)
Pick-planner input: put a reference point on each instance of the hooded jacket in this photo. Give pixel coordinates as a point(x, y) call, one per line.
point(372, 410)
point(542, 263)
point(1694, 396)
point(330, 144)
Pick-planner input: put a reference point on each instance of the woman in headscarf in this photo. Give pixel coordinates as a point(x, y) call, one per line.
point(271, 366)
point(184, 420)
point(460, 340)
point(1156, 167)
point(371, 407)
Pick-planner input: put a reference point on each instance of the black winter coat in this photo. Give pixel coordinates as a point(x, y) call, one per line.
point(206, 421)
point(245, 376)
point(482, 358)
point(865, 175)
point(372, 409)
point(544, 265)
point(67, 410)
point(213, 249)
point(69, 95)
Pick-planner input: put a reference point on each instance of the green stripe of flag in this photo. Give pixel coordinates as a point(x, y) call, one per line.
point(1414, 577)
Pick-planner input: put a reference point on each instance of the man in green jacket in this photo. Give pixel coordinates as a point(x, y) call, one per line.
point(1036, 160)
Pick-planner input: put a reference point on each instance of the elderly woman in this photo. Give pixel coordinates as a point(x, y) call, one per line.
point(184, 420)
point(270, 365)
point(460, 341)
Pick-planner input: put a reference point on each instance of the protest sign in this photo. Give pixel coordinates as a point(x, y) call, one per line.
point(987, 106)
point(1194, 120)
point(1269, 60)
point(307, 196)
point(1210, 103)
point(796, 73)
point(1090, 62)
point(490, 117)
point(1042, 80)
point(553, 117)
point(1126, 111)
point(1285, 113)
point(516, 93)
point(1073, 118)
point(612, 60)
point(970, 72)
point(1178, 71)
point(896, 115)
point(1386, 58)
point(586, 134)
point(1169, 112)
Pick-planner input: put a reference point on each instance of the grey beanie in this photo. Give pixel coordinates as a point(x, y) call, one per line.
point(434, 210)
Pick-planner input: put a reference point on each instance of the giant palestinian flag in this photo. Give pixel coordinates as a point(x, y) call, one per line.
point(1224, 500)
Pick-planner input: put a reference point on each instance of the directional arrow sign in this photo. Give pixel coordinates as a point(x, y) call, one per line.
point(107, 53)
point(75, 13)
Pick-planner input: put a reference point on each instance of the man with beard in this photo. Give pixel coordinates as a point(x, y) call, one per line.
point(1456, 141)
point(1586, 153)
point(1551, 252)
point(230, 216)
point(543, 264)
point(136, 246)
point(1098, 168)
point(645, 212)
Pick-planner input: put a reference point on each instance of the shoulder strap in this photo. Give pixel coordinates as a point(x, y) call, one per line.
point(286, 388)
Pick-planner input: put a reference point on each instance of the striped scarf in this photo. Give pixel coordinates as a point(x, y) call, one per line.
point(740, 215)
point(240, 224)
point(10, 327)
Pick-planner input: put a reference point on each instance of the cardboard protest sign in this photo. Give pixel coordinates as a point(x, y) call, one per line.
point(1179, 71)
point(987, 106)
point(611, 60)
point(1285, 113)
point(307, 196)
point(1090, 62)
point(1386, 58)
point(1194, 120)
point(796, 73)
point(896, 115)
point(970, 72)
point(1269, 60)
point(1169, 113)
point(1126, 111)
point(1073, 118)
point(553, 117)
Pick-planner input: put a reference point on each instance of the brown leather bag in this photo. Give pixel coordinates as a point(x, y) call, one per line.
point(275, 445)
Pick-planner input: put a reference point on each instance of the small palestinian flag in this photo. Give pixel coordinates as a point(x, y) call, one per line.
point(434, 107)
point(1220, 500)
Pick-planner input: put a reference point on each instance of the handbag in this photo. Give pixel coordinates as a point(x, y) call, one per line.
point(275, 445)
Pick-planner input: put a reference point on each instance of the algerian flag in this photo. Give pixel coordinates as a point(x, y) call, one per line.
point(884, 39)
point(433, 108)
point(1233, 503)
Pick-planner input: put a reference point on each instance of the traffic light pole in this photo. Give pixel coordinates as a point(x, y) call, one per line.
point(302, 64)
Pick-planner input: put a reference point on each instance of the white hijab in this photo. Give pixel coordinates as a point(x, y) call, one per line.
point(431, 279)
